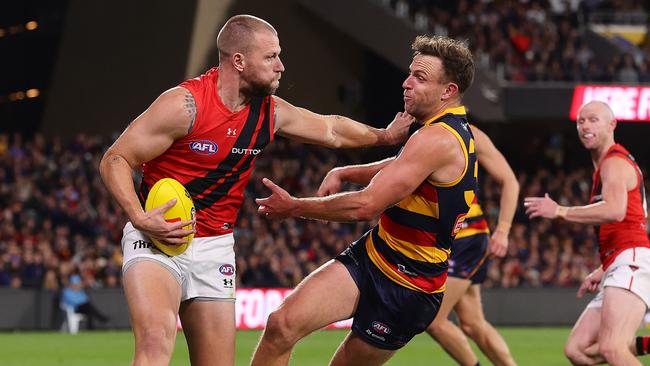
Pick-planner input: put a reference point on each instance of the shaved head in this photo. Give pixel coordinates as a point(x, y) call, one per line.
point(238, 34)
point(602, 108)
point(596, 124)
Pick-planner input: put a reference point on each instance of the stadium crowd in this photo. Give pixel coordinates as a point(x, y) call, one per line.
point(58, 220)
point(536, 40)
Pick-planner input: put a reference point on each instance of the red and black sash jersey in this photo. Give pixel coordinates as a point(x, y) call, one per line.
point(615, 237)
point(412, 241)
point(214, 161)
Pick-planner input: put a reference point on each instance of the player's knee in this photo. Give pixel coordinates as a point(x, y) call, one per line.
point(572, 353)
point(281, 329)
point(611, 351)
point(575, 354)
point(438, 328)
point(155, 341)
point(472, 328)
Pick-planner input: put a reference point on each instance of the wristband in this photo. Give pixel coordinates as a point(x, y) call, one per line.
point(561, 211)
point(503, 227)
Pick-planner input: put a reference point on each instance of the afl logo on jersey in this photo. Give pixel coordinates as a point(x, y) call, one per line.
point(227, 270)
point(204, 147)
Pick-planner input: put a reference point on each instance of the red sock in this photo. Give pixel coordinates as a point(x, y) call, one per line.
point(642, 344)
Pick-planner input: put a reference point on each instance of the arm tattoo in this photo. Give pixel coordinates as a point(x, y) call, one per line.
point(190, 108)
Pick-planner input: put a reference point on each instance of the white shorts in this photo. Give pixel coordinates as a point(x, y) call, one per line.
point(206, 270)
point(631, 271)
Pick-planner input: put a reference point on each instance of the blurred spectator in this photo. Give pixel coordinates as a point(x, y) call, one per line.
point(627, 73)
point(533, 40)
point(73, 296)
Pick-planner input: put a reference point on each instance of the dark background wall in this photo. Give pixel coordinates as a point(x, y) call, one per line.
point(115, 57)
point(38, 310)
point(320, 62)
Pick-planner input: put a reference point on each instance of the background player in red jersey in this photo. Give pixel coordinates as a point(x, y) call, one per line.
point(390, 280)
point(206, 134)
point(604, 331)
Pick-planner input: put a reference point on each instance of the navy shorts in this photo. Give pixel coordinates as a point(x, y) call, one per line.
point(388, 315)
point(469, 258)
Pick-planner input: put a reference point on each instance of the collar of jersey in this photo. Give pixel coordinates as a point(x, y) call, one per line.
point(453, 110)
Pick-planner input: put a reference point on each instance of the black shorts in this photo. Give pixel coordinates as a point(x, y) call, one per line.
point(388, 315)
point(469, 258)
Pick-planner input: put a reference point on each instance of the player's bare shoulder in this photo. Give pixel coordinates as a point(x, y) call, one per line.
point(434, 138)
point(618, 169)
point(173, 112)
point(280, 110)
point(441, 150)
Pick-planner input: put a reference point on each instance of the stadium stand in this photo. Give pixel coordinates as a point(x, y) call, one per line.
point(534, 40)
point(58, 220)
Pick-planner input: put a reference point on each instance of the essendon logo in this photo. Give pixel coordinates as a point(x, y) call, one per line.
point(227, 270)
point(380, 327)
point(204, 147)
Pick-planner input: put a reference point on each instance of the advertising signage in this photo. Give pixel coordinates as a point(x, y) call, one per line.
point(629, 103)
point(253, 306)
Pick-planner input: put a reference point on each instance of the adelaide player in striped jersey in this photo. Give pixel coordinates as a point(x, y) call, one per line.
point(468, 262)
point(605, 330)
point(392, 279)
point(206, 133)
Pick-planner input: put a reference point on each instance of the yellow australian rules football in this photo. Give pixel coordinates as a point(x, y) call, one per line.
point(162, 192)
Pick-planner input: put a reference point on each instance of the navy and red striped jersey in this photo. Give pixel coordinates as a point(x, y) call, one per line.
point(615, 237)
point(412, 241)
point(214, 161)
point(475, 222)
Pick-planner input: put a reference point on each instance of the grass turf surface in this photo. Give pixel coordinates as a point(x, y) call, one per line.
point(529, 346)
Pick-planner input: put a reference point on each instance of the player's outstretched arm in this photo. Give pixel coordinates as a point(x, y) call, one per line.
point(617, 177)
point(169, 118)
point(396, 180)
point(336, 131)
point(359, 174)
point(491, 159)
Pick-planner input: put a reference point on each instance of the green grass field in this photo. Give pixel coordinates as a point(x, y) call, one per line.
point(530, 346)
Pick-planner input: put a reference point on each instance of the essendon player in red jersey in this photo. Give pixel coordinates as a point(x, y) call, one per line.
point(606, 328)
point(206, 133)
